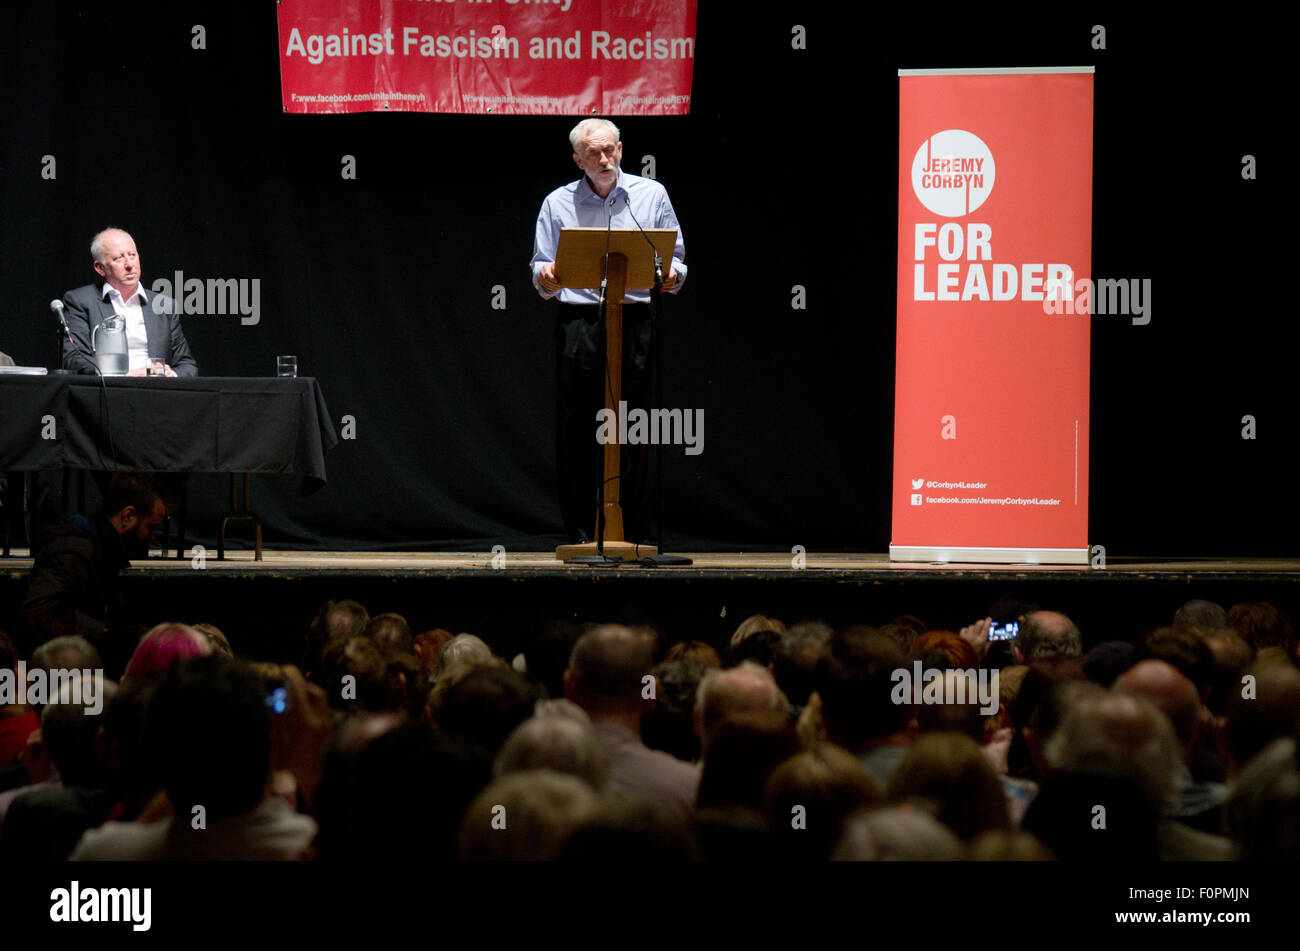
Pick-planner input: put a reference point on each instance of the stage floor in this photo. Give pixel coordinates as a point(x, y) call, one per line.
point(266, 605)
point(859, 566)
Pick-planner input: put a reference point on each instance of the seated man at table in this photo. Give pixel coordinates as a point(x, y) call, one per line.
point(153, 327)
point(73, 587)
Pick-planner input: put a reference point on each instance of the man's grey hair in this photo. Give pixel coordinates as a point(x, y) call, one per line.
point(1049, 634)
point(724, 692)
point(69, 652)
point(1120, 734)
point(591, 125)
point(97, 244)
point(558, 743)
point(463, 647)
point(559, 707)
point(898, 835)
point(543, 807)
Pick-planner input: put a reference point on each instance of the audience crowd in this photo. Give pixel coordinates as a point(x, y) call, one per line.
point(604, 741)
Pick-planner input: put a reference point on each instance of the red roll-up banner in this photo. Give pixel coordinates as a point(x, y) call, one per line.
point(991, 389)
point(514, 57)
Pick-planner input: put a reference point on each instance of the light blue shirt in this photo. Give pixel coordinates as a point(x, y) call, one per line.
point(575, 205)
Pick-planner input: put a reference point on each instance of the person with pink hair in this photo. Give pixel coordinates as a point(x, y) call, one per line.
point(165, 644)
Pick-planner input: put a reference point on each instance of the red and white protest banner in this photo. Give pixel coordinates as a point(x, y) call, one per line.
point(513, 57)
point(991, 390)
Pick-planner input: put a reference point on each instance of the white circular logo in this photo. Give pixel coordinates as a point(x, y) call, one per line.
point(952, 173)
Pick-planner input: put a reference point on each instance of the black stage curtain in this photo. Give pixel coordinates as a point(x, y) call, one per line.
point(784, 174)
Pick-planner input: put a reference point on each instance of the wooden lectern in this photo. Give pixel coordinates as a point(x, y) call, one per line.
point(580, 263)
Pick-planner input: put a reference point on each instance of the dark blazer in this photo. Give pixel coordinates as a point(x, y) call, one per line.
point(73, 584)
point(85, 308)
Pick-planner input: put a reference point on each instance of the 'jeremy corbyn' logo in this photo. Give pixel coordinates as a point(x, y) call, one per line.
point(952, 173)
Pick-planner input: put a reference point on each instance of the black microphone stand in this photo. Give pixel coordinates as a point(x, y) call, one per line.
point(661, 559)
point(62, 333)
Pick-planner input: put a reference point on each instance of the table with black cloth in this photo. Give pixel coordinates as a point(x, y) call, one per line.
point(238, 425)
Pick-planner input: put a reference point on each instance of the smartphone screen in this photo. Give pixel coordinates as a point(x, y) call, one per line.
point(1004, 632)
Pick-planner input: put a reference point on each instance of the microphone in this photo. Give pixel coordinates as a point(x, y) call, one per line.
point(57, 307)
point(659, 261)
point(604, 277)
point(656, 306)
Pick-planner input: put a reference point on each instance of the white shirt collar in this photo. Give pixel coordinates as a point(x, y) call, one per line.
point(107, 290)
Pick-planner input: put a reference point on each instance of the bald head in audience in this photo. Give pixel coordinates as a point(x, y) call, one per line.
point(747, 688)
point(1047, 634)
point(1169, 692)
point(1120, 734)
point(606, 671)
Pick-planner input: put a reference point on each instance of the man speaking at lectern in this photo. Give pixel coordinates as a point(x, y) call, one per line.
point(605, 196)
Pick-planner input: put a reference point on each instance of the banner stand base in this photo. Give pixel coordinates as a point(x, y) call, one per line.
point(1000, 556)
